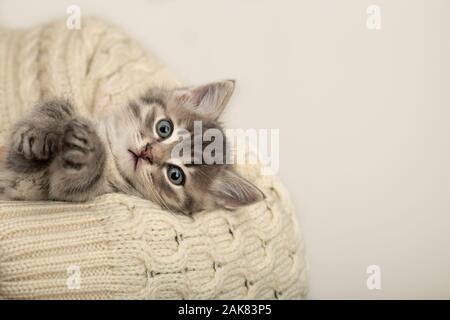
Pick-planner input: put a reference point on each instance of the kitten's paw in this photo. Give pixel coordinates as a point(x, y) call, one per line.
point(34, 143)
point(78, 144)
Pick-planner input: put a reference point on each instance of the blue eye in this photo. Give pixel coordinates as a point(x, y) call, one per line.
point(164, 128)
point(176, 175)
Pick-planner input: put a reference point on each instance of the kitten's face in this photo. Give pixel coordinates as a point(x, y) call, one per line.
point(143, 136)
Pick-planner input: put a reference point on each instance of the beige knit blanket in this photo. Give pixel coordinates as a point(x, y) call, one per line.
point(122, 247)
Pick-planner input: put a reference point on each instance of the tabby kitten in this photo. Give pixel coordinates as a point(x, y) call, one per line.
point(55, 154)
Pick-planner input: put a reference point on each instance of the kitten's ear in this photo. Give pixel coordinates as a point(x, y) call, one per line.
point(231, 191)
point(209, 99)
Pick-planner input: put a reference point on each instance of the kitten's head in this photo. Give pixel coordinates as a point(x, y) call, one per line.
point(146, 137)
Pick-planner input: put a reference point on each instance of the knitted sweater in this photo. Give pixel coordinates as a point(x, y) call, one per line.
point(118, 246)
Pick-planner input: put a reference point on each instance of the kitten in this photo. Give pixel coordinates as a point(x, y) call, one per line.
point(55, 154)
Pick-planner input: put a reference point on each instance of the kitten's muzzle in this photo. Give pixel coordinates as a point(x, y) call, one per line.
point(145, 154)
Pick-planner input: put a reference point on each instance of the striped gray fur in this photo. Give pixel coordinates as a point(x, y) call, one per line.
point(55, 154)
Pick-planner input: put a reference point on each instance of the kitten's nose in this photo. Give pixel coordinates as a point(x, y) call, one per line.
point(147, 153)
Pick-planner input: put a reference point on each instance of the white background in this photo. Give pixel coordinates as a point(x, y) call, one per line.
point(363, 118)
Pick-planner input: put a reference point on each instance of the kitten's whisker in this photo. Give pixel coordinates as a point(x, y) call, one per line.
point(165, 203)
point(158, 197)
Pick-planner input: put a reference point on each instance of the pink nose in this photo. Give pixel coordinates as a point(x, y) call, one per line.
point(146, 153)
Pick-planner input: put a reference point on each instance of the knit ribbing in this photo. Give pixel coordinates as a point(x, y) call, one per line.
point(126, 247)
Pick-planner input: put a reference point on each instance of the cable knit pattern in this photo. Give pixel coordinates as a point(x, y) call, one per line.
point(126, 247)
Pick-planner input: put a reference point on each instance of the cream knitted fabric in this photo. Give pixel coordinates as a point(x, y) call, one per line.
point(125, 247)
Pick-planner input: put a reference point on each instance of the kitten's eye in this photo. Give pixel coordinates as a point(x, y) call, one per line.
point(164, 128)
point(175, 174)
